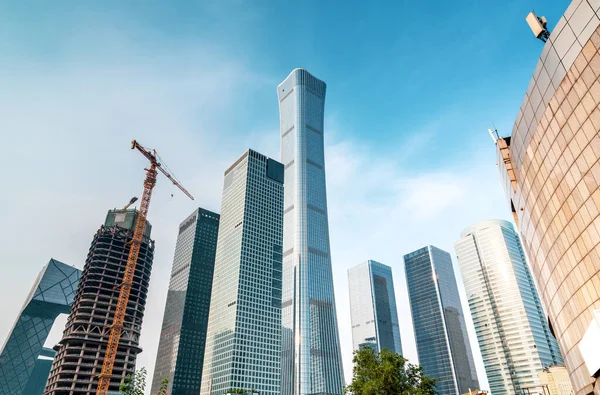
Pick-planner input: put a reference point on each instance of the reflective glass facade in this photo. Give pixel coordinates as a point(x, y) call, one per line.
point(180, 354)
point(243, 347)
point(513, 333)
point(373, 307)
point(551, 172)
point(51, 295)
point(311, 358)
point(40, 373)
point(440, 331)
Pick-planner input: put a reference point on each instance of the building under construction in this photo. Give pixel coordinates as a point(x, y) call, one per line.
point(80, 353)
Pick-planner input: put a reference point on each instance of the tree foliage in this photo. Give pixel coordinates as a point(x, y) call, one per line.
point(240, 391)
point(134, 384)
point(387, 373)
point(164, 386)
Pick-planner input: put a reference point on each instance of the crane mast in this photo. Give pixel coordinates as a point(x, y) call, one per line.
point(134, 251)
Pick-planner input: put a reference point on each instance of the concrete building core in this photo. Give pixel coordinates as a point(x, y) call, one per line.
point(80, 353)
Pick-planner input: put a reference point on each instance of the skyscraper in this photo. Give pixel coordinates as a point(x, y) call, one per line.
point(311, 361)
point(183, 336)
point(440, 331)
point(51, 295)
point(514, 338)
point(243, 346)
point(373, 307)
point(550, 168)
point(81, 351)
point(39, 374)
point(556, 380)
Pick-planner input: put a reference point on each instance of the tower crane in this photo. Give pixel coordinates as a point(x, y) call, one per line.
point(134, 251)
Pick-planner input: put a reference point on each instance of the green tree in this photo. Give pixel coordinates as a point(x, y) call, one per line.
point(164, 386)
point(387, 373)
point(239, 391)
point(134, 384)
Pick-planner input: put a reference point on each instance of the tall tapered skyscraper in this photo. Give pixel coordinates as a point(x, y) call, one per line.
point(438, 321)
point(243, 346)
point(180, 354)
point(311, 361)
point(511, 326)
point(373, 307)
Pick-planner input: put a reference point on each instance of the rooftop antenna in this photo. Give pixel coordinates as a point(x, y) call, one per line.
point(494, 134)
point(538, 26)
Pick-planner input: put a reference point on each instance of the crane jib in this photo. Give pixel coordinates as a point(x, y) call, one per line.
point(125, 288)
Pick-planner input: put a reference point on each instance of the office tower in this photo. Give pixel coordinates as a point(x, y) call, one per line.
point(440, 331)
point(51, 295)
point(311, 359)
point(555, 380)
point(80, 353)
point(551, 173)
point(243, 346)
point(373, 307)
point(511, 326)
point(40, 372)
point(183, 336)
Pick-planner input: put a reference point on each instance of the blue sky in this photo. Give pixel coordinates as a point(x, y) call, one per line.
point(412, 88)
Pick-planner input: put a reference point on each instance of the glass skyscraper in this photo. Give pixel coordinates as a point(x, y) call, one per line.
point(40, 373)
point(183, 336)
point(440, 331)
point(51, 295)
point(311, 361)
point(373, 307)
point(511, 326)
point(243, 347)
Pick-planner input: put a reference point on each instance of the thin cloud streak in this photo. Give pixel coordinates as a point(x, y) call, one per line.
point(66, 127)
point(66, 136)
point(380, 209)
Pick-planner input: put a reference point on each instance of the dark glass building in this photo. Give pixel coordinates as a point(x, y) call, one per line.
point(440, 331)
point(183, 336)
point(80, 353)
point(51, 295)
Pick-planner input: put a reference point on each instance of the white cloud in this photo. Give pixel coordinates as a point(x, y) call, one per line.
point(428, 195)
point(65, 132)
point(382, 209)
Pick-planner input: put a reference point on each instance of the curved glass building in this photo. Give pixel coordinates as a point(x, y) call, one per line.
point(513, 334)
point(551, 172)
point(311, 361)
